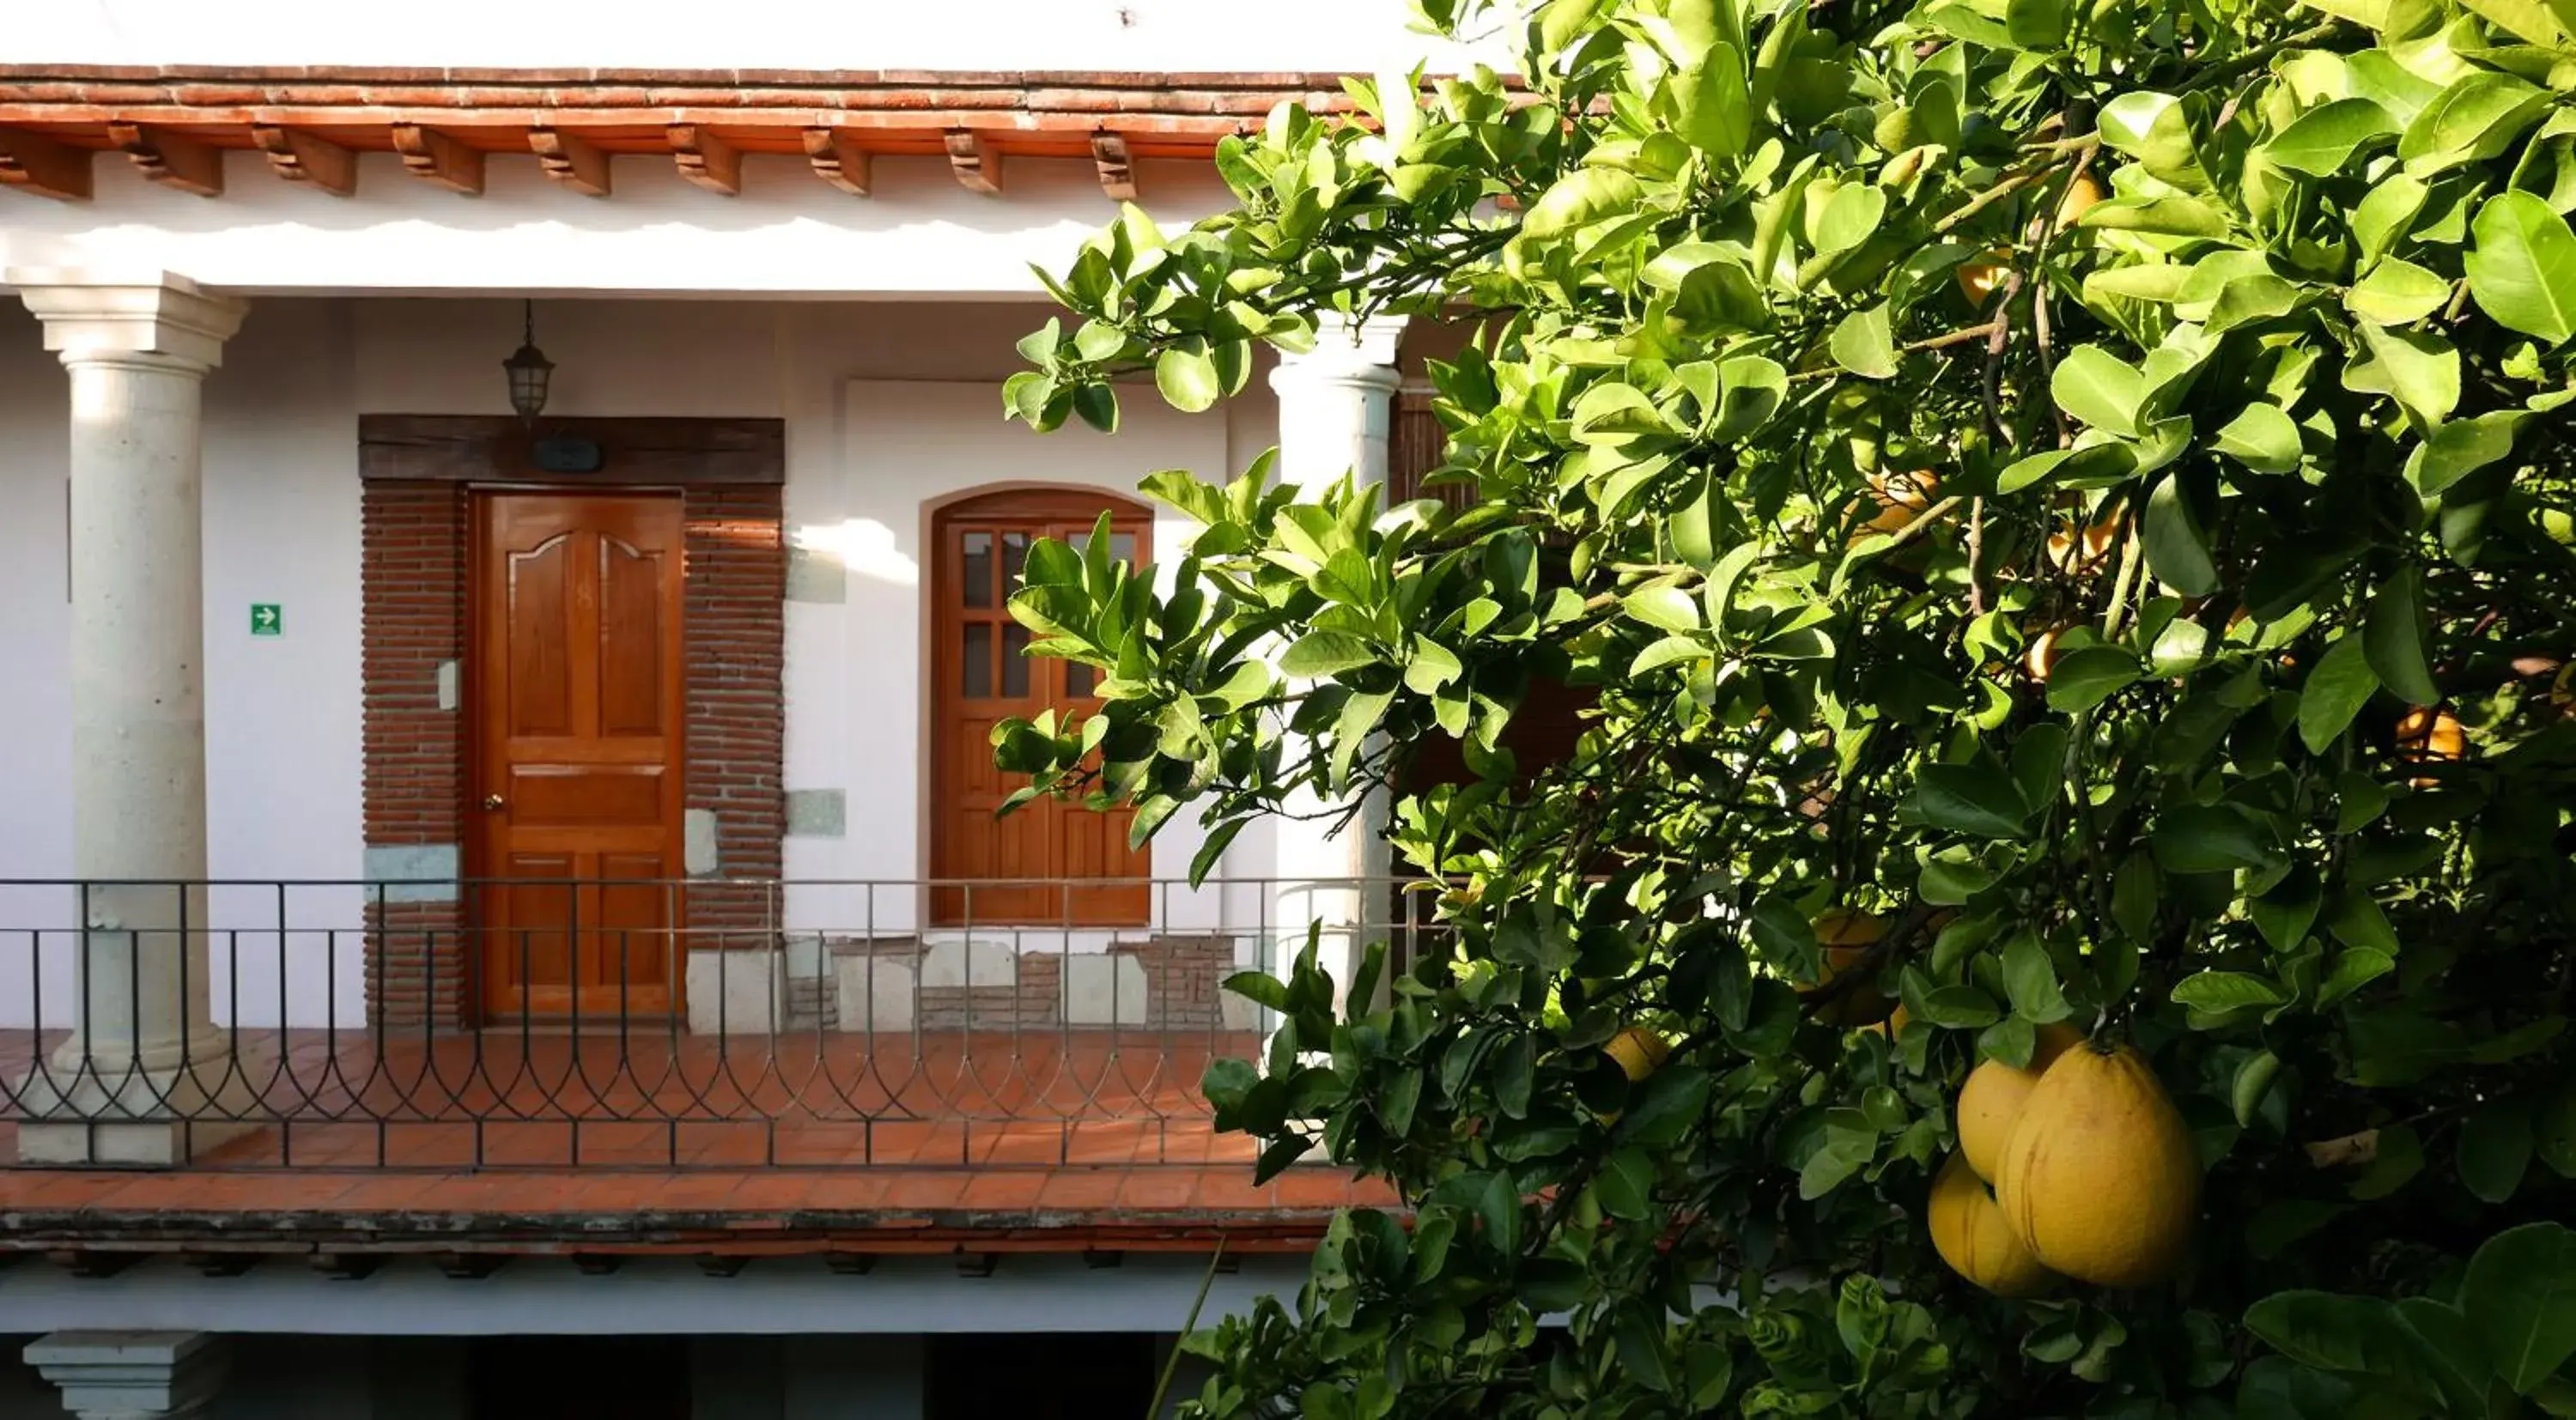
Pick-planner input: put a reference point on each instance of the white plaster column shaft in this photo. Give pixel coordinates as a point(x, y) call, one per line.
point(1336, 411)
point(138, 350)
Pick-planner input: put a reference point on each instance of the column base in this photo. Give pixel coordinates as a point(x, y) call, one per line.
point(133, 1118)
point(131, 1375)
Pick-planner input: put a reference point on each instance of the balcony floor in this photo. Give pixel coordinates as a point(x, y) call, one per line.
point(666, 1141)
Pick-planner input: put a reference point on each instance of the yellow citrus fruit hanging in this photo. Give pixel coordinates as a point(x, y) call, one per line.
point(1990, 1103)
point(2100, 1179)
point(1847, 936)
point(1638, 1052)
point(1969, 1231)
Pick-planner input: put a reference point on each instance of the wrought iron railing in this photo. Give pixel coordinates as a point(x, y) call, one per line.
point(550, 1024)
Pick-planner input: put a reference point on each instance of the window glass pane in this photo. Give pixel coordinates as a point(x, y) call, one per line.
point(978, 576)
point(1015, 662)
point(979, 660)
point(1015, 554)
point(1079, 679)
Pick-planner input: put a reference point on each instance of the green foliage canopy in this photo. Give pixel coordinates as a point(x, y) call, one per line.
point(1806, 396)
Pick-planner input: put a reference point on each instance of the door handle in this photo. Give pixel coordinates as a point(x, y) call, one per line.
point(492, 803)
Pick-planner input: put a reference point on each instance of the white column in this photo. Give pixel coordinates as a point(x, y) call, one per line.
point(131, 1375)
point(1336, 408)
point(143, 1053)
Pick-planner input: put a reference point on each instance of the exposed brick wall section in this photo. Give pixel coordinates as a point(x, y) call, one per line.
point(415, 541)
point(1184, 979)
point(737, 715)
point(412, 542)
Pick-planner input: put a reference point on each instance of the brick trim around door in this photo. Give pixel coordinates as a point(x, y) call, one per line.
point(418, 473)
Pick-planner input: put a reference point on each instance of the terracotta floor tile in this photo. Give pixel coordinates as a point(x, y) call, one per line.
point(1051, 1122)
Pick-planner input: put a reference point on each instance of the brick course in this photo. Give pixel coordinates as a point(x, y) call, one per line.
point(414, 541)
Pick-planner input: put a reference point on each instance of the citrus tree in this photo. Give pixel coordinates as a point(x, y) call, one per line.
point(2062, 517)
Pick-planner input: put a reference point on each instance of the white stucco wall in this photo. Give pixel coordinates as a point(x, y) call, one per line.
point(794, 34)
point(920, 234)
point(887, 406)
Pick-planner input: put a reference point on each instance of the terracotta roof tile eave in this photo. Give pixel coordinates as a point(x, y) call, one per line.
point(827, 79)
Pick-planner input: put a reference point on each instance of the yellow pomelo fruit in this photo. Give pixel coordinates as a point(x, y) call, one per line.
point(2100, 1179)
point(1990, 1104)
point(1639, 1051)
point(1980, 278)
point(1892, 1027)
point(1969, 1231)
point(2082, 196)
point(1847, 936)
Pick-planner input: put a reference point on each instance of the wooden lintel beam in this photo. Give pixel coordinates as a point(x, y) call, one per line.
point(707, 160)
point(430, 154)
point(977, 165)
point(837, 160)
point(298, 156)
point(1117, 170)
point(571, 161)
point(32, 162)
point(170, 160)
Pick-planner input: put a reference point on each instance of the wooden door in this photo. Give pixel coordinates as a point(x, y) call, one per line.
point(576, 664)
point(1016, 868)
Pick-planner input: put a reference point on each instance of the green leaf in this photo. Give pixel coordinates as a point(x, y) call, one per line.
point(2520, 1295)
point(1960, 1008)
point(1861, 344)
point(2420, 371)
point(1187, 378)
point(2394, 637)
point(1580, 198)
point(2495, 1149)
point(2091, 461)
point(2523, 270)
point(2086, 677)
point(1640, 1338)
point(2219, 992)
point(2462, 447)
point(1666, 1106)
point(2397, 293)
point(2384, 213)
point(1971, 799)
point(2099, 388)
point(2208, 838)
point(2177, 550)
point(2554, 1130)
point(1717, 118)
point(1323, 653)
point(2334, 692)
point(2253, 1081)
point(2030, 978)
point(2530, 21)
point(2262, 438)
point(2324, 138)
point(2477, 117)
point(1663, 606)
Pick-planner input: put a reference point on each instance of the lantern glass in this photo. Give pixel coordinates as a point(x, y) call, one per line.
point(529, 371)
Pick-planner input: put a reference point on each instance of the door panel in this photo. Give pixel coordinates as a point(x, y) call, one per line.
point(982, 676)
point(577, 667)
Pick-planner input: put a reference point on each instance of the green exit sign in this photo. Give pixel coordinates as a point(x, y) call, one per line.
point(267, 619)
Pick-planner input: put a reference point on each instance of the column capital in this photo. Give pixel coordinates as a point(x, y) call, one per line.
point(157, 316)
point(1356, 352)
point(131, 1375)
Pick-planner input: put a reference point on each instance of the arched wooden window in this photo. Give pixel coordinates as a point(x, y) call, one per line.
point(1030, 866)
